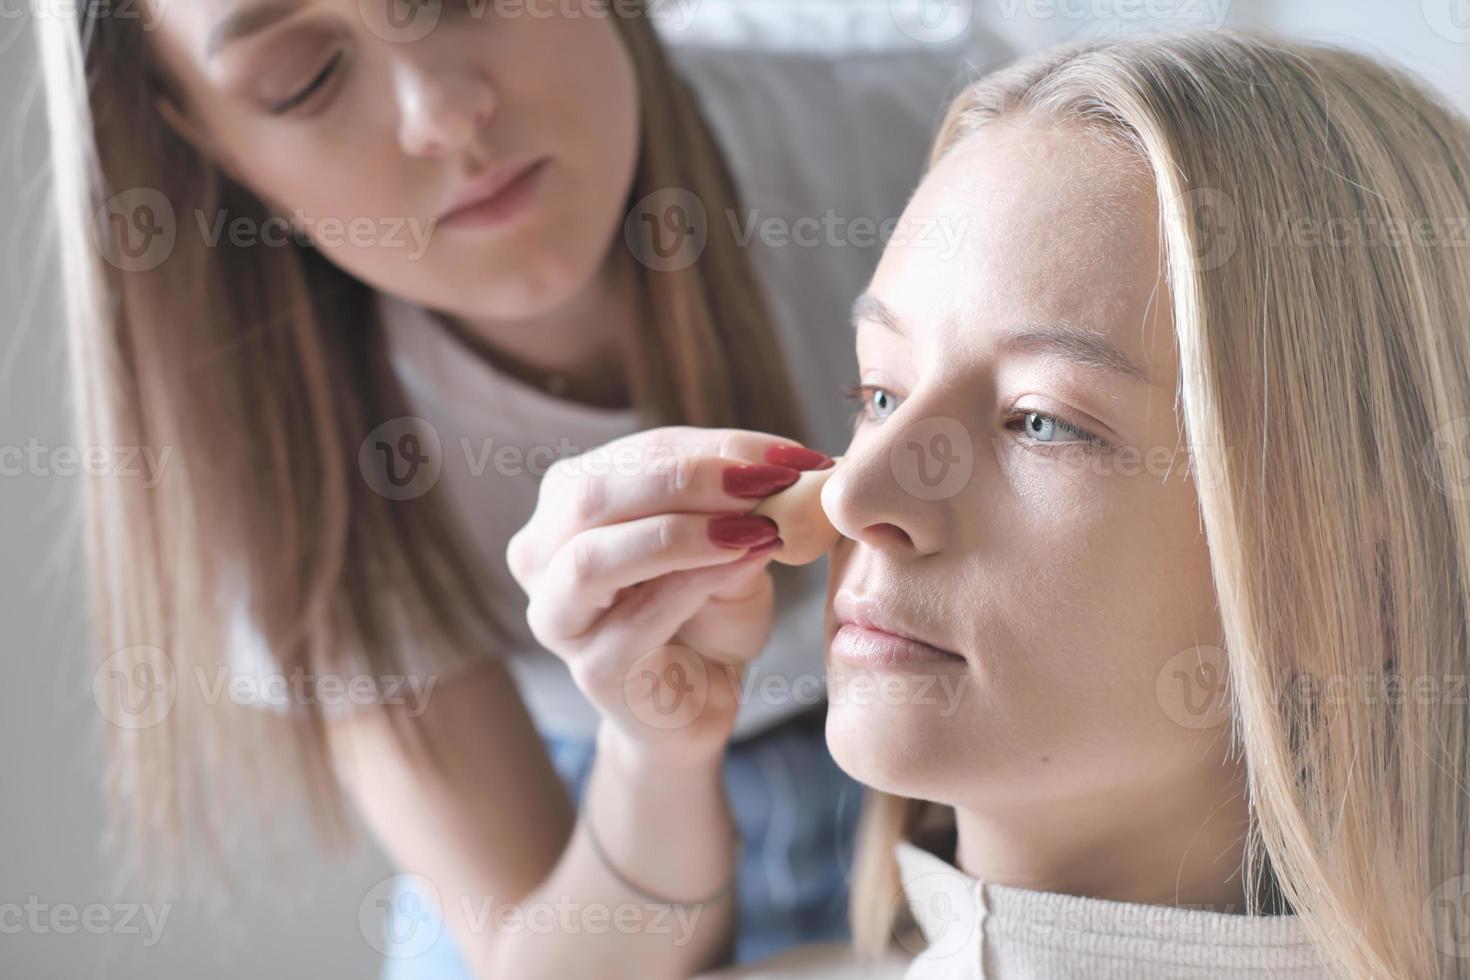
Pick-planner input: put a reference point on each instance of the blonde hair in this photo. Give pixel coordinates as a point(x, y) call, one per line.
point(263, 369)
point(1325, 388)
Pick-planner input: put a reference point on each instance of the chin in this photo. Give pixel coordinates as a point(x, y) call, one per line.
point(535, 293)
point(539, 282)
point(901, 749)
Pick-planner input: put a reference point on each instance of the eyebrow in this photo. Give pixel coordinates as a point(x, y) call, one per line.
point(1064, 339)
point(244, 22)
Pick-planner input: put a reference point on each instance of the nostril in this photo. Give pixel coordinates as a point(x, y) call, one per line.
point(887, 533)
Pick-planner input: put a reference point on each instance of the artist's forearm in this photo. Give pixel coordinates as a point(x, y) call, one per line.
point(668, 831)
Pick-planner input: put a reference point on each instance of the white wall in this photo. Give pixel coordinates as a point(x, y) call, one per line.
point(1430, 37)
point(304, 922)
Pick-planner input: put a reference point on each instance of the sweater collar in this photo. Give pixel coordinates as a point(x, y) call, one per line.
point(971, 927)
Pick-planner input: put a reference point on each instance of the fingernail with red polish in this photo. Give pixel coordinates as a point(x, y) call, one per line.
point(741, 530)
point(755, 480)
point(798, 458)
point(764, 549)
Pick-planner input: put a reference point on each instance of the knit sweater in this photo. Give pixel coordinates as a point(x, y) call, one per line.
point(984, 931)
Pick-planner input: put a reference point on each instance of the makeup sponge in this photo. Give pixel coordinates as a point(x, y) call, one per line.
point(806, 534)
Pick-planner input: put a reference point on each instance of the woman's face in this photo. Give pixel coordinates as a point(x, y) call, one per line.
point(1015, 494)
point(366, 121)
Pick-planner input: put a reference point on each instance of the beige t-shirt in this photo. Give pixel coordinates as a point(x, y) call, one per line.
point(825, 150)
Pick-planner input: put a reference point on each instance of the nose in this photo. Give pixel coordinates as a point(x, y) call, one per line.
point(440, 111)
point(871, 499)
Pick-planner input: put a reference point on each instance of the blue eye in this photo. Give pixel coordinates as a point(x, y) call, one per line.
point(872, 401)
point(882, 401)
point(1049, 430)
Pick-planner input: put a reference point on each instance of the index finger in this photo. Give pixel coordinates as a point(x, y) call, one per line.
point(674, 468)
point(743, 445)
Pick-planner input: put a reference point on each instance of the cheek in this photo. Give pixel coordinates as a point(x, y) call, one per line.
point(1083, 622)
point(1094, 615)
point(1127, 574)
point(573, 92)
point(1100, 553)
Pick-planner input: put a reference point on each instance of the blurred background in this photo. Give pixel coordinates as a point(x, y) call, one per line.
point(303, 914)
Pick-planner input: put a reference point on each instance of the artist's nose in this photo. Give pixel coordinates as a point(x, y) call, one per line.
point(442, 110)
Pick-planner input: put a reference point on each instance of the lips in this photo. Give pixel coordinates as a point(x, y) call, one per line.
point(874, 633)
point(481, 197)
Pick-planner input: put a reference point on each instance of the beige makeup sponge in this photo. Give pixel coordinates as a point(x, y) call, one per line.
point(806, 534)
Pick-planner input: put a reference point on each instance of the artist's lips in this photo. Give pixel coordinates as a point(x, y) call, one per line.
point(878, 635)
point(497, 196)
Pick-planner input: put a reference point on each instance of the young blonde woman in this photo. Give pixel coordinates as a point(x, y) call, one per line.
point(339, 257)
point(1196, 547)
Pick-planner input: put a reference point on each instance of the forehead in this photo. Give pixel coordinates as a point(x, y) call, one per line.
point(195, 28)
point(1044, 223)
point(181, 30)
point(194, 18)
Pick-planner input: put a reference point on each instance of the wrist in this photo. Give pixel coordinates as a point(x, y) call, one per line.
point(657, 761)
point(642, 837)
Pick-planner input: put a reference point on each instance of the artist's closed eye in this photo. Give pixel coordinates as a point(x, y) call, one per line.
point(317, 82)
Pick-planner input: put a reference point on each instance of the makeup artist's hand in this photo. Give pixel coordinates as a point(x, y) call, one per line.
point(647, 575)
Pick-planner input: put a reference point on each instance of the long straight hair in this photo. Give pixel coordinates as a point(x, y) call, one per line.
point(1313, 207)
point(261, 370)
